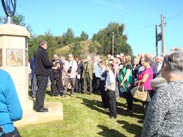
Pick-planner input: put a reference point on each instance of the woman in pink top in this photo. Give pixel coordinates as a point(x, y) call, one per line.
point(145, 77)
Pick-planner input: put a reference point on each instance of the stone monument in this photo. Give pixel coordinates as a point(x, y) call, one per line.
point(14, 59)
point(14, 52)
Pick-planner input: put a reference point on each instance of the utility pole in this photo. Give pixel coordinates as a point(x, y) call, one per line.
point(113, 43)
point(162, 33)
point(160, 36)
point(156, 39)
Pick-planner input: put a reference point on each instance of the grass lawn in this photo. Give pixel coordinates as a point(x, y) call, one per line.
point(85, 117)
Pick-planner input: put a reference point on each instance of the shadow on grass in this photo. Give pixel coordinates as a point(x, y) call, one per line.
point(97, 105)
point(131, 128)
point(30, 92)
point(94, 105)
point(125, 113)
point(138, 111)
point(137, 106)
point(106, 132)
point(48, 92)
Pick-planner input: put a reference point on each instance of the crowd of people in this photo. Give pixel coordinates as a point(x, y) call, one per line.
point(90, 75)
point(161, 77)
point(117, 76)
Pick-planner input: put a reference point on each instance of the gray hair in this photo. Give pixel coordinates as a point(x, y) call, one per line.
point(174, 60)
point(42, 43)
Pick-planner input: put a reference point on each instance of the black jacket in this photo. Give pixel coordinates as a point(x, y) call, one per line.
point(80, 68)
point(42, 63)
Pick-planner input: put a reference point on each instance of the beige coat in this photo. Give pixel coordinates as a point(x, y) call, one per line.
point(89, 70)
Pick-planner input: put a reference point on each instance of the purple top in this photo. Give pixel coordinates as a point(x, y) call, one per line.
point(148, 81)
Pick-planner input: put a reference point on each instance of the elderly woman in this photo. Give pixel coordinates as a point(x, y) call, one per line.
point(165, 111)
point(145, 77)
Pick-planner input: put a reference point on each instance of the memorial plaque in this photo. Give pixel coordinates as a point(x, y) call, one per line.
point(14, 57)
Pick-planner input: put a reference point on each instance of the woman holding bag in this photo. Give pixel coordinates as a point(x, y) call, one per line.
point(145, 77)
point(144, 80)
point(126, 82)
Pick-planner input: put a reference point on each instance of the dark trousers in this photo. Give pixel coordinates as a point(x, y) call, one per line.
point(112, 102)
point(33, 86)
point(14, 133)
point(42, 82)
point(104, 94)
point(145, 104)
point(93, 81)
point(78, 85)
point(55, 86)
point(129, 99)
point(151, 93)
point(96, 83)
point(87, 83)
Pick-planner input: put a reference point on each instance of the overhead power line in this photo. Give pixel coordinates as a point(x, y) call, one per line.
point(152, 25)
point(140, 28)
point(176, 16)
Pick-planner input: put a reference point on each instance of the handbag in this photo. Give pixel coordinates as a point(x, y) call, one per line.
point(139, 93)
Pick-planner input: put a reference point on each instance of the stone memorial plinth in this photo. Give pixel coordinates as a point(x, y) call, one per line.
point(14, 59)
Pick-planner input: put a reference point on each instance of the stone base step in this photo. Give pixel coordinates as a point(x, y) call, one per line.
point(31, 117)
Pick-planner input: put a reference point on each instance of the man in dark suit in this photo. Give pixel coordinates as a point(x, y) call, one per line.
point(42, 71)
point(78, 85)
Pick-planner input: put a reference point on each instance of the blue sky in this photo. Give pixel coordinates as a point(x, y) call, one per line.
point(139, 17)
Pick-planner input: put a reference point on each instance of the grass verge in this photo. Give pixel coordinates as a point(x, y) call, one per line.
point(85, 117)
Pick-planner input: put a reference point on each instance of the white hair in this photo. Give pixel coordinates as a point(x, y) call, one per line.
point(173, 61)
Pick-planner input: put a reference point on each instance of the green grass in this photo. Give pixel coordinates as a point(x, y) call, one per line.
point(84, 117)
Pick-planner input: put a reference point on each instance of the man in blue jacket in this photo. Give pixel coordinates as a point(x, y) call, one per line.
point(33, 78)
point(10, 108)
point(42, 72)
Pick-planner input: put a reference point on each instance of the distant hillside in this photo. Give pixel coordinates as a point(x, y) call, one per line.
point(86, 47)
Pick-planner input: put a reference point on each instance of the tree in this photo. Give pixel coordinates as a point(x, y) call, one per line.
point(104, 37)
point(68, 37)
point(94, 47)
point(76, 49)
point(84, 36)
point(53, 43)
point(18, 19)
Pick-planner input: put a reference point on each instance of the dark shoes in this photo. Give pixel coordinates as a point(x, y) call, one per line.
point(42, 110)
point(113, 116)
point(54, 95)
point(33, 96)
point(86, 92)
point(129, 112)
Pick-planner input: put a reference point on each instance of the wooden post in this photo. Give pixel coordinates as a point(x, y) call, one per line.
point(113, 43)
point(156, 40)
point(162, 33)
